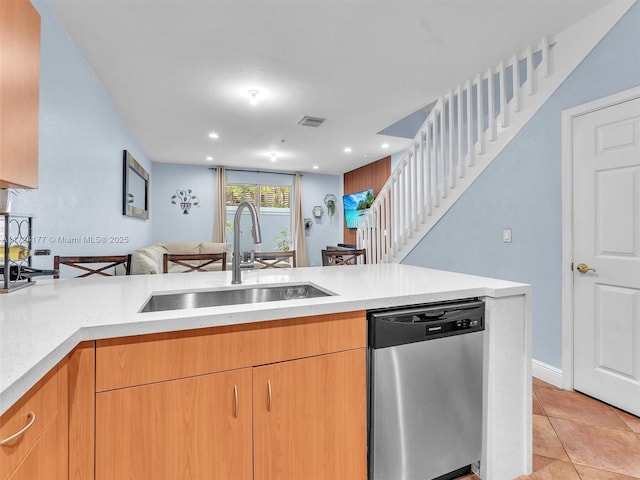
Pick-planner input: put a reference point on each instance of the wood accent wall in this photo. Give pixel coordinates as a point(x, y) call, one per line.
point(374, 175)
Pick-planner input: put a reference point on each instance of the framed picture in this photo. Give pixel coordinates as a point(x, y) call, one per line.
point(135, 191)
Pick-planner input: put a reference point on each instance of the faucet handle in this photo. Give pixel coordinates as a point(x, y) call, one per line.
point(248, 260)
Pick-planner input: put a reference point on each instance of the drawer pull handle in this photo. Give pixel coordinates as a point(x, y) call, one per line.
point(235, 397)
point(32, 418)
point(269, 398)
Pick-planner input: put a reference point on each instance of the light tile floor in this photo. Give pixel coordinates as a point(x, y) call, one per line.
point(578, 438)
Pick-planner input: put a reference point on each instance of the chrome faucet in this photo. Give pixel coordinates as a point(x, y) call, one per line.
point(255, 232)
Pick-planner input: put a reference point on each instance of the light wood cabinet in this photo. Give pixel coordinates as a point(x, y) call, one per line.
point(201, 408)
point(33, 432)
point(41, 461)
point(193, 428)
point(309, 418)
point(19, 93)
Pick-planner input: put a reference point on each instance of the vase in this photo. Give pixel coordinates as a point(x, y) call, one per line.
point(5, 200)
point(185, 207)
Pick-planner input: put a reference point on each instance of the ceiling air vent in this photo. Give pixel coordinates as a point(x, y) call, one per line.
point(310, 121)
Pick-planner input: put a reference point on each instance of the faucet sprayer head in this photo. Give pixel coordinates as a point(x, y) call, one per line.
point(257, 234)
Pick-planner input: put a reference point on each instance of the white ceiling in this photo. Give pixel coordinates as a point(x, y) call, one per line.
point(179, 69)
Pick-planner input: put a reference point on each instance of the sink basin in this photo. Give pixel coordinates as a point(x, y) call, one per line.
point(236, 296)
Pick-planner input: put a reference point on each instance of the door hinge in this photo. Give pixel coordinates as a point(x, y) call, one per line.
point(572, 266)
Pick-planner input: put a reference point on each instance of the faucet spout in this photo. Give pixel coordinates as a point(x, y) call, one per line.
point(255, 232)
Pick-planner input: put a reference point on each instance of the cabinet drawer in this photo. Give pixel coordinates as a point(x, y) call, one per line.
point(42, 400)
point(129, 361)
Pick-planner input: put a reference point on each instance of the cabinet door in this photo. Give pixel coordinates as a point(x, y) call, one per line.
point(19, 93)
point(42, 461)
point(310, 418)
point(193, 428)
point(41, 401)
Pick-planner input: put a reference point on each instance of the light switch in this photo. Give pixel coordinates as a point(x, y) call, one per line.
point(506, 235)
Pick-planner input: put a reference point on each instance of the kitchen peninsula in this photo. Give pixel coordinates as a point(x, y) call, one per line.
point(42, 325)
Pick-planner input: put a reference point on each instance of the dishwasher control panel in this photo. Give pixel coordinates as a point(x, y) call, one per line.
point(467, 323)
point(424, 322)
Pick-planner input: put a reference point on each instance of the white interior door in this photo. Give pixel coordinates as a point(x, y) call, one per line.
point(606, 233)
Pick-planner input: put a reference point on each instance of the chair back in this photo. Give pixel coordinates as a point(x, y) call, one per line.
point(81, 263)
point(344, 257)
point(275, 259)
point(194, 262)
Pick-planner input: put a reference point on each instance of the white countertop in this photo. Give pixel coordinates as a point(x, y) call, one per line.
point(39, 325)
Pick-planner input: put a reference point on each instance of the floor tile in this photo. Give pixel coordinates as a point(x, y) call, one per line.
point(598, 447)
point(578, 407)
point(551, 469)
point(536, 407)
point(632, 421)
point(545, 440)
point(537, 383)
point(588, 473)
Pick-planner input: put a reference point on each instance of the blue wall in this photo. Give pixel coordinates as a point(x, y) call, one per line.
point(82, 137)
point(326, 230)
point(171, 225)
point(522, 190)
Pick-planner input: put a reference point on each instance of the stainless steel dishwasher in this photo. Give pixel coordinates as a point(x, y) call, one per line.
point(425, 390)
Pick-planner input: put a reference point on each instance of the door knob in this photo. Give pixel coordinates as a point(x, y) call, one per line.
point(584, 268)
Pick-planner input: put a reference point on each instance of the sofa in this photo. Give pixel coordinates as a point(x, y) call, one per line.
point(149, 260)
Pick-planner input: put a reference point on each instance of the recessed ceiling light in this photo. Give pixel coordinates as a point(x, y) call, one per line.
point(209, 158)
point(253, 96)
point(347, 149)
point(385, 145)
point(214, 135)
point(316, 167)
point(273, 156)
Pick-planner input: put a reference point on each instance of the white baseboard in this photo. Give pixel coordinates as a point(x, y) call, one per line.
point(546, 373)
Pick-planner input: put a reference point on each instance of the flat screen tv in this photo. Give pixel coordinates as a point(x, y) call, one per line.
point(355, 206)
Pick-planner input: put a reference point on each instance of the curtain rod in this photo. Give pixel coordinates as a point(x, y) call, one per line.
point(256, 171)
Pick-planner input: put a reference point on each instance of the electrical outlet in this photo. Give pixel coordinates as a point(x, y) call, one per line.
point(506, 235)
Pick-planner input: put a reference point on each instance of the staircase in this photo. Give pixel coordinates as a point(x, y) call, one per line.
point(465, 130)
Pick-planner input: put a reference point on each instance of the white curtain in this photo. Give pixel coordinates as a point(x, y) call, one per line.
point(220, 214)
point(298, 221)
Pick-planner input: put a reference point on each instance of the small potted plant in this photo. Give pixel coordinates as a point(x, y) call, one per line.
point(330, 202)
point(307, 224)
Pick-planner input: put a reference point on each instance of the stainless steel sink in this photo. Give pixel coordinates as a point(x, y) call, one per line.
point(235, 296)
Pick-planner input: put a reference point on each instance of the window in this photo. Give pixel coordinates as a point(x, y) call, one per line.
point(274, 209)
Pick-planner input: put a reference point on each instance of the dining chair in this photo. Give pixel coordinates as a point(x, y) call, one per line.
point(344, 257)
point(106, 262)
point(275, 259)
point(194, 262)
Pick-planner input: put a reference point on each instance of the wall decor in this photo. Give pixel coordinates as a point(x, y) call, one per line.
point(317, 211)
point(330, 201)
point(135, 190)
point(186, 199)
point(307, 224)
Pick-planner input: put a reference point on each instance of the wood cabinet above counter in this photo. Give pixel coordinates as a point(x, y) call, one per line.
point(19, 93)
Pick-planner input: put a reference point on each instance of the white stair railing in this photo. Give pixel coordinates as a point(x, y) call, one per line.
point(446, 154)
